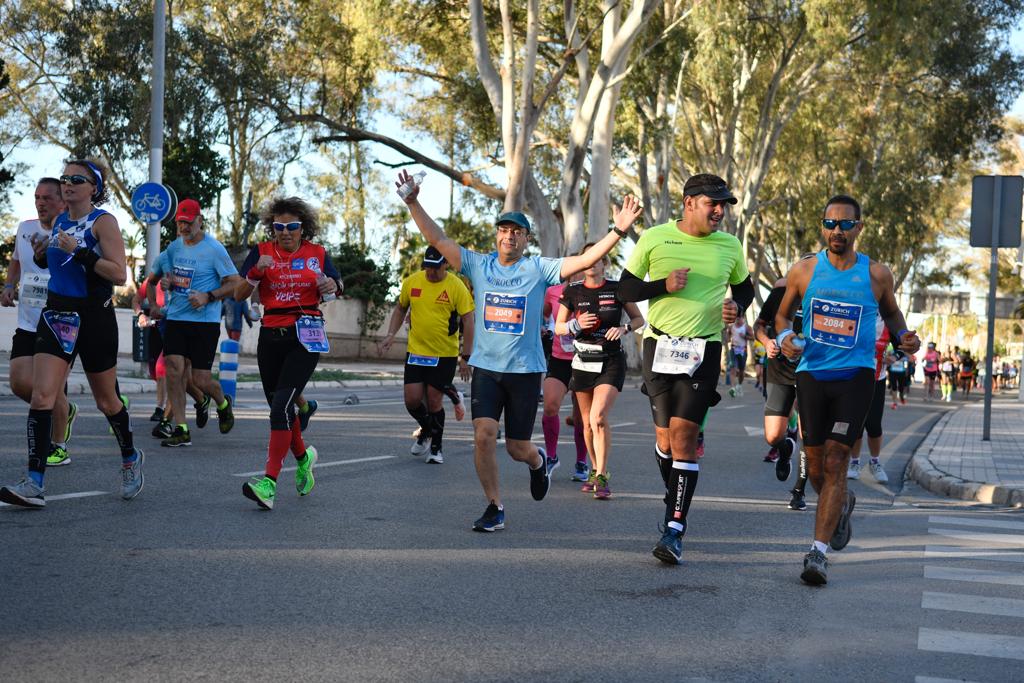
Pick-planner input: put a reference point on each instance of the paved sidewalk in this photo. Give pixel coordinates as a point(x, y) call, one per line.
point(954, 461)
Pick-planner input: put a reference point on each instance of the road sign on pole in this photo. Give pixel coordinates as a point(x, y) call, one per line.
point(153, 202)
point(995, 222)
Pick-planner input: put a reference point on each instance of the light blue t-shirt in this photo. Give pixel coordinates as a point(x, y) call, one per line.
point(199, 267)
point(509, 310)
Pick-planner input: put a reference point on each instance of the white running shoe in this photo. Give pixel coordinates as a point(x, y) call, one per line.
point(421, 444)
point(434, 458)
point(853, 472)
point(879, 473)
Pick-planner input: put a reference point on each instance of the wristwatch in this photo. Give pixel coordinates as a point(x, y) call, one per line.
point(464, 357)
point(212, 294)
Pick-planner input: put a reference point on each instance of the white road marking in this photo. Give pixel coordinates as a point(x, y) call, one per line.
point(967, 552)
point(754, 431)
point(973, 604)
point(707, 499)
point(974, 575)
point(733, 407)
point(1016, 540)
point(965, 643)
point(931, 679)
point(320, 465)
point(66, 496)
point(623, 424)
point(974, 521)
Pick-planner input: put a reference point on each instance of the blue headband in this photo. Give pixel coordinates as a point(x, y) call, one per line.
point(99, 179)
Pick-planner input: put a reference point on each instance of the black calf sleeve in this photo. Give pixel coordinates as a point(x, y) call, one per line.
point(121, 424)
point(421, 416)
point(436, 430)
point(40, 423)
point(682, 485)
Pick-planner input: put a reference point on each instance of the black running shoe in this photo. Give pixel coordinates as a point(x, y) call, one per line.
point(493, 519)
point(844, 529)
point(158, 415)
point(226, 417)
point(797, 502)
point(784, 465)
point(203, 412)
point(540, 478)
point(179, 438)
point(311, 406)
point(670, 548)
point(164, 430)
point(815, 568)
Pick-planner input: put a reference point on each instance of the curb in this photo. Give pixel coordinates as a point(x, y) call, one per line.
point(924, 472)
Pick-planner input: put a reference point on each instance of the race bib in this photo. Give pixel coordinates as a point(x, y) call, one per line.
point(425, 361)
point(678, 355)
point(312, 335)
point(181, 279)
point(566, 342)
point(65, 328)
point(34, 289)
point(834, 323)
point(505, 313)
point(578, 362)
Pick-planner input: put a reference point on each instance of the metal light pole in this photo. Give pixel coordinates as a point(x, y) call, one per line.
point(156, 122)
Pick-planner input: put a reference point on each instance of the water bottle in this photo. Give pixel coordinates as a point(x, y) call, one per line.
point(415, 181)
point(799, 342)
point(326, 298)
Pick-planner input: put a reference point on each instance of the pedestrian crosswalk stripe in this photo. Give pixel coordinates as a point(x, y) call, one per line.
point(973, 553)
point(931, 679)
point(1016, 540)
point(980, 522)
point(966, 643)
point(66, 496)
point(973, 604)
point(974, 575)
point(319, 465)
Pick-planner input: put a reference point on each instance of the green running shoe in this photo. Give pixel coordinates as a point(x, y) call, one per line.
point(58, 457)
point(226, 417)
point(261, 490)
point(304, 474)
point(72, 414)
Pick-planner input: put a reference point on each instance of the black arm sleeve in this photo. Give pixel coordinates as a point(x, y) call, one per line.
point(743, 294)
point(632, 288)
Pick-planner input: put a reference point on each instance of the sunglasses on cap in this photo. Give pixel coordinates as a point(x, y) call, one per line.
point(75, 180)
point(844, 224)
point(290, 227)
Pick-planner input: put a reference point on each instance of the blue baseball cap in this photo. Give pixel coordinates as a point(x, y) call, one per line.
point(516, 218)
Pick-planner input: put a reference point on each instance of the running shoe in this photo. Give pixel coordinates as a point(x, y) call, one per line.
point(670, 548)
point(844, 528)
point(26, 493)
point(493, 519)
point(58, 457)
point(203, 411)
point(261, 490)
point(553, 464)
point(540, 478)
point(732, 392)
point(602, 491)
point(304, 472)
point(72, 414)
point(158, 415)
point(311, 406)
point(590, 483)
point(797, 502)
point(180, 437)
point(878, 472)
point(164, 430)
point(422, 443)
point(894, 405)
point(132, 478)
point(226, 417)
point(434, 457)
point(582, 472)
point(903, 401)
point(773, 455)
point(853, 471)
point(784, 465)
point(815, 568)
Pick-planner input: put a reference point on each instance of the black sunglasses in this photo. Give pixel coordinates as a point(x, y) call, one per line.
point(844, 224)
point(290, 227)
point(75, 180)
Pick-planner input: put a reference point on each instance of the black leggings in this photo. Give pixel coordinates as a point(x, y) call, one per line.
point(285, 367)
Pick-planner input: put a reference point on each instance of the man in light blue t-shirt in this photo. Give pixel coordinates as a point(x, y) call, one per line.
point(200, 275)
point(508, 358)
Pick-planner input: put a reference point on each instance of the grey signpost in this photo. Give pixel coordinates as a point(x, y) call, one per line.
point(156, 122)
point(995, 222)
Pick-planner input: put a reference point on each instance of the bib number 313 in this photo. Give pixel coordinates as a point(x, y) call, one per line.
point(311, 334)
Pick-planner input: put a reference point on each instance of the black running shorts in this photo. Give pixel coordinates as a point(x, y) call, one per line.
point(834, 410)
point(23, 344)
point(560, 369)
point(96, 344)
point(780, 399)
point(193, 340)
point(513, 393)
point(613, 372)
point(438, 376)
point(684, 396)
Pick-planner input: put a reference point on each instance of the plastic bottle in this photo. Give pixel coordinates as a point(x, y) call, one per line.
point(799, 342)
point(415, 181)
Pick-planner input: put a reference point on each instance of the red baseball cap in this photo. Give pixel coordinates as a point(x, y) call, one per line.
point(188, 209)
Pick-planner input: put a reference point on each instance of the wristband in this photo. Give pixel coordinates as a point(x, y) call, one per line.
point(574, 327)
point(629, 327)
point(899, 335)
point(782, 336)
point(621, 233)
point(464, 358)
point(87, 257)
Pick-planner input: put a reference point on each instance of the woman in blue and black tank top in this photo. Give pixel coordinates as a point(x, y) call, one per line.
point(86, 258)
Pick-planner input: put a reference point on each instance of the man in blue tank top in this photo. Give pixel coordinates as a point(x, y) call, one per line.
point(841, 292)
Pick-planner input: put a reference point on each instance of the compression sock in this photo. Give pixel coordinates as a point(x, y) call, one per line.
point(39, 425)
point(421, 416)
point(436, 430)
point(664, 464)
point(801, 478)
point(280, 440)
point(682, 484)
point(297, 444)
point(549, 423)
point(121, 425)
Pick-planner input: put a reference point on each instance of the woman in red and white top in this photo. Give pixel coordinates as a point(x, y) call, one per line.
point(292, 275)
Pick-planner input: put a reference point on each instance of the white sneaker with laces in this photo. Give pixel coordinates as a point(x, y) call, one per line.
point(853, 472)
point(25, 493)
point(878, 472)
point(434, 458)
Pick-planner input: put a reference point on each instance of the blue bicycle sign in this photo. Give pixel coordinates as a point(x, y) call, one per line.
point(153, 202)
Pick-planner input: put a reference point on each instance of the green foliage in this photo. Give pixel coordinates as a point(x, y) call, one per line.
point(475, 235)
point(364, 280)
point(6, 252)
point(195, 170)
point(6, 177)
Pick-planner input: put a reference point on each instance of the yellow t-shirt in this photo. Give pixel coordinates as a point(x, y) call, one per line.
point(434, 311)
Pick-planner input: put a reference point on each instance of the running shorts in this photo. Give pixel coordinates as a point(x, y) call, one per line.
point(873, 425)
point(560, 369)
point(780, 399)
point(931, 374)
point(193, 340)
point(684, 396)
point(96, 344)
point(438, 376)
point(739, 360)
point(23, 344)
point(834, 410)
point(513, 393)
point(613, 372)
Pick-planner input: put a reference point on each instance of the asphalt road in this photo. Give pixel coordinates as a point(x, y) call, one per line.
point(376, 575)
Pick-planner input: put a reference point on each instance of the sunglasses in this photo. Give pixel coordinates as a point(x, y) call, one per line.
point(290, 227)
point(844, 225)
point(515, 232)
point(75, 180)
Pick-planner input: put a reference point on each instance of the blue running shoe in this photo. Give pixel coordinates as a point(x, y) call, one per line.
point(311, 406)
point(582, 472)
point(493, 519)
point(670, 548)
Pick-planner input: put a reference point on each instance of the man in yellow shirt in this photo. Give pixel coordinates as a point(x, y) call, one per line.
point(437, 302)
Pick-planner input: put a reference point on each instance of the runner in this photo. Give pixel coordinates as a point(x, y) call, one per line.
point(966, 374)
point(931, 371)
point(30, 282)
point(682, 346)
point(873, 424)
point(85, 256)
point(740, 337)
point(201, 274)
point(948, 377)
point(841, 293)
point(898, 378)
point(292, 275)
point(591, 313)
point(439, 305)
point(508, 358)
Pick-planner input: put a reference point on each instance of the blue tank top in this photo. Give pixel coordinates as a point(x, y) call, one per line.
point(839, 320)
point(69, 277)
